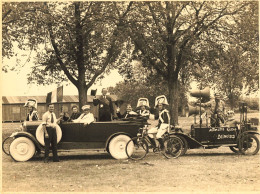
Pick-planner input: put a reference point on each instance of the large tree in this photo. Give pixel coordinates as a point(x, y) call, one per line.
point(75, 41)
point(166, 35)
point(231, 63)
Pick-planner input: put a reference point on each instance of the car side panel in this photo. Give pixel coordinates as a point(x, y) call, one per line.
point(101, 131)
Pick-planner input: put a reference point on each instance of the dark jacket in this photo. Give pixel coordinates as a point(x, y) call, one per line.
point(33, 115)
point(105, 106)
point(74, 116)
point(164, 117)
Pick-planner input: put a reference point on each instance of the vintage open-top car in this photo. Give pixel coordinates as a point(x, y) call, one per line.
point(111, 136)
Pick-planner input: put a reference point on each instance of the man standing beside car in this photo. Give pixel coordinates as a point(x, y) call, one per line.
point(50, 136)
point(104, 102)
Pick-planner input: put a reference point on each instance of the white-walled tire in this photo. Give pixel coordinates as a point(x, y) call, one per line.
point(40, 134)
point(117, 147)
point(22, 149)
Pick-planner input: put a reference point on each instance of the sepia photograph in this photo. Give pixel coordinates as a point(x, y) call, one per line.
point(130, 96)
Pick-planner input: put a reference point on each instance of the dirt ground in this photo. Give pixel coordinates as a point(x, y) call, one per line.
point(215, 170)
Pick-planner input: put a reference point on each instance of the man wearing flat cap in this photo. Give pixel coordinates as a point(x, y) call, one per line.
point(217, 110)
point(86, 117)
point(104, 103)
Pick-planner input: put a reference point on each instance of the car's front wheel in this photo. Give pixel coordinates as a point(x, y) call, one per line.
point(22, 149)
point(117, 146)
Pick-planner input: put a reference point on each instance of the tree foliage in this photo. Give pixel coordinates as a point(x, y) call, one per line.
point(75, 41)
point(167, 36)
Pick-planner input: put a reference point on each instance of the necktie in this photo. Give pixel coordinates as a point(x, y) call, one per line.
point(52, 119)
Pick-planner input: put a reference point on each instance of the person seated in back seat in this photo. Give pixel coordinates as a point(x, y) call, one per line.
point(86, 117)
point(129, 112)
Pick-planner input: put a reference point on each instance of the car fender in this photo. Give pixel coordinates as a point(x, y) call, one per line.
point(250, 132)
point(28, 135)
point(192, 143)
point(113, 135)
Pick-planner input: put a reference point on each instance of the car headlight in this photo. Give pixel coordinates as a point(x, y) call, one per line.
point(20, 128)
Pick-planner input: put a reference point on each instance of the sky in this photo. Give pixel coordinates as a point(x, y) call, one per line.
point(14, 83)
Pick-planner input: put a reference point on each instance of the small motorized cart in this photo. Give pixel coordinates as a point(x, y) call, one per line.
point(243, 139)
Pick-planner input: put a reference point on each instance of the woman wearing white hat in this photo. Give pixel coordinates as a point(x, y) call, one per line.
point(86, 117)
point(32, 112)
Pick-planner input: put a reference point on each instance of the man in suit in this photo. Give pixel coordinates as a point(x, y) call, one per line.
point(104, 103)
point(50, 136)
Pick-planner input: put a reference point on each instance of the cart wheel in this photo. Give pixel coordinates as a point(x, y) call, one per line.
point(117, 146)
point(249, 144)
point(136, 148)
point(6, 145)
point(22, 149)
point(173, 147)
point(234, 149)
point(184, 144)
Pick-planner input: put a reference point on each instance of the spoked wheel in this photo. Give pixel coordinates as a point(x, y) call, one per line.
point(6, 145)
point(136, 148)
point(249, 144)
point(184, 144)
point(234, 149)
point(173, 147)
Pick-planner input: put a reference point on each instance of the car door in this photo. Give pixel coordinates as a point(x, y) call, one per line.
point(71, 132)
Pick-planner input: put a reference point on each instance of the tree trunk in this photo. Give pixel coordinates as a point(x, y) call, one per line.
point(173, 99)
point(82, 90)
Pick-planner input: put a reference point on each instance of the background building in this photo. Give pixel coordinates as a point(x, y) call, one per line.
point(13, 109)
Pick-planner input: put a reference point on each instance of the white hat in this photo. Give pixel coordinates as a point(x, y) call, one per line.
point(161, 99)
point(86, 107)
point(31, 102)
point(143, 102)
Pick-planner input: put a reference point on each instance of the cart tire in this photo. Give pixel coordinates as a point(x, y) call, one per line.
point(173, 147)
point(184, 144)
point(136, 148)
point(117, 147)
point(234, 149)
point(249, 144)
point(22, 149)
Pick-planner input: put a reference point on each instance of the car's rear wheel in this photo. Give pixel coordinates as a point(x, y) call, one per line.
point(117, 146)
point(22, 149)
